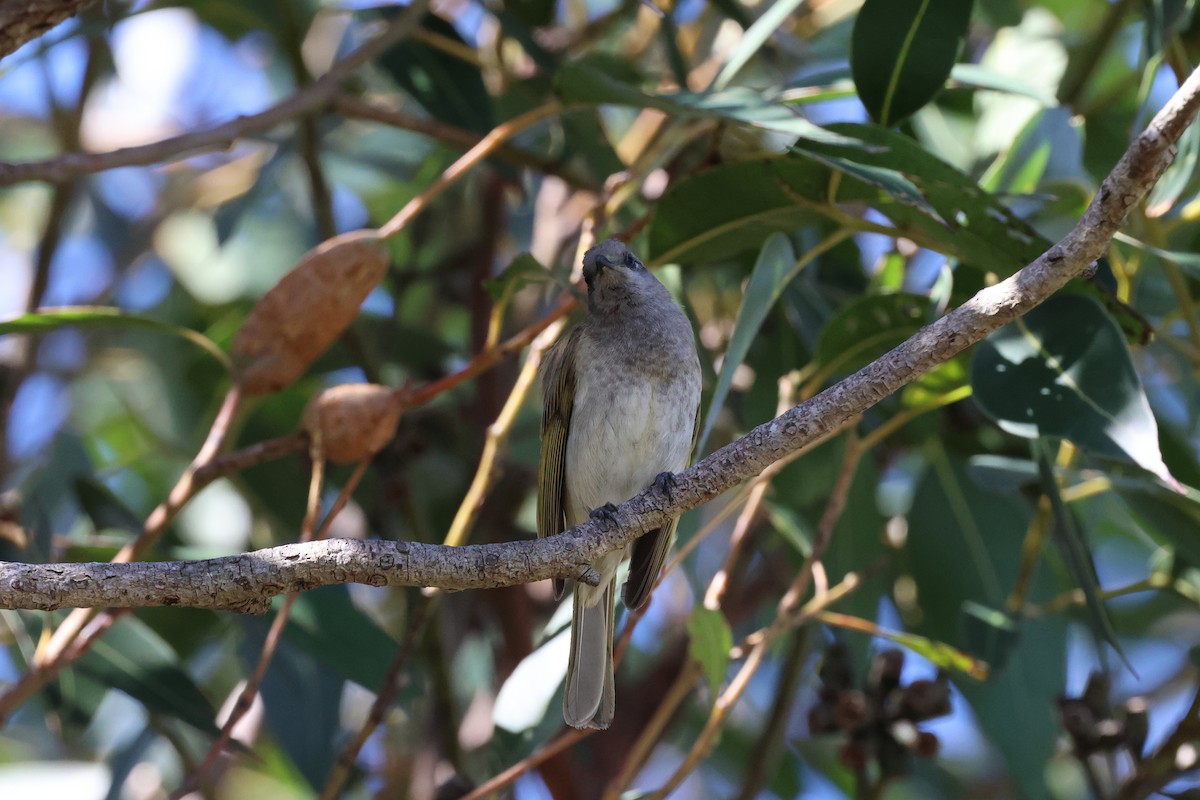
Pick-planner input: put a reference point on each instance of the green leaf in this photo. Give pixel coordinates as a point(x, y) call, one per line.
point(45, 320)
point(710, 640)
point(104, 508)
point(326, 624)
point(794, 529)
point(585, 82)
point(991, 634)
point(1075, 552)
point(939, 653)
point(448, 87)
point(1064, 370)
point(978, 76)
point(1169, 516)
point(1188, 262)
point(754, 38)
point(1001, 474)
point(942, 380)
point(131, 657)
point(1049, 147)
point(902, 51)
point(775, 268)
point(867, 328)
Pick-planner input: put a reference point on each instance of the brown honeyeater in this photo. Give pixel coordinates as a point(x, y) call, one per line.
point(621, 403)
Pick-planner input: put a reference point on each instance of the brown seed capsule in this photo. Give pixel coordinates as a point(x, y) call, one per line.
point(297, 320)
point(353, 421)
point(851, 711)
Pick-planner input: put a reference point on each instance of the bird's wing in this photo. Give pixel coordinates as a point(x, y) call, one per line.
point(650, 552)
point(558, 399)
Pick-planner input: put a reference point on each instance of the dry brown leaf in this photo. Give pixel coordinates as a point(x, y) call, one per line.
point(299, 318)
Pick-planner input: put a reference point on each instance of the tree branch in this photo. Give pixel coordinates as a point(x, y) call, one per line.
point(22, 21)
point(304, 101)
point(246, 582)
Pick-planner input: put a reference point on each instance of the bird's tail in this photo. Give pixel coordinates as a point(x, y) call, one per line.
point(590, 697)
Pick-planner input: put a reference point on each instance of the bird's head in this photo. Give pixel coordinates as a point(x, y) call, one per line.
point(616, 277)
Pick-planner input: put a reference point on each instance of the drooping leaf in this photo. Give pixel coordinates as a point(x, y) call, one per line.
point(774, 269)
point(131, 657)
point(709, 642)
point(1075, 553)
point(1064, 370)
point(45, 320)
point(939, 653)
point(902, 51)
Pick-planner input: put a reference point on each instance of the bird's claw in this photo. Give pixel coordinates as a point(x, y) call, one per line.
point(605, 513)
point(666, 483)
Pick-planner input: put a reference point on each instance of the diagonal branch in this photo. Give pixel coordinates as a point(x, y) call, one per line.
point(246, 582)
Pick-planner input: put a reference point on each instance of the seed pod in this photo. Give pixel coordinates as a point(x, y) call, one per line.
point(297, 320)
point(353, 421)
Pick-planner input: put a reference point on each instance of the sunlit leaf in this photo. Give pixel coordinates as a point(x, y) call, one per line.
point(867, 328)
point(939, 653)
point(902, 51)
point(45, 320)
point(1064, 370)
point(709, 642)
point(527, 693)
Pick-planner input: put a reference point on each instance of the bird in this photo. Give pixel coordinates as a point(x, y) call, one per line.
point(621, 405)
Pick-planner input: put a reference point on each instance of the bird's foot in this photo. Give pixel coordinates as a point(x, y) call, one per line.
point(605, 513)
point(666, 483)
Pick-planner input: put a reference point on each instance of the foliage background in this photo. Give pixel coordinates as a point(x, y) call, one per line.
point(945, 514)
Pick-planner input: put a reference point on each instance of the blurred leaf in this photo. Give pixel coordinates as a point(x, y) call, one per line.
point(1049, 147)
point(133, 658)
point(939, 653)
point(902, 51)
point(990, 633)
point(709, 642)
point(979, 76)
point(45, 320)
point(754, 38)
point(104, 508)
point(867, 328)
point(524, 270)
point(1064, 370)
point(775, 268)
point(525, 697)
point(585, 83)
point(944, 379)
point(1171, 517)
point(327, 625)
point(1188, 262)
point(1075, 553)
point(1001, 474)
point(1170, 187)
point(792, 527)
point(450, 88)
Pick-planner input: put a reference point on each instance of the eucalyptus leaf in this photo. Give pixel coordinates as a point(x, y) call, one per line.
point(709, 643)
point(902, 51)
point(775, 268)
point(45, 320)
point(1064, 370)
point(133, 658)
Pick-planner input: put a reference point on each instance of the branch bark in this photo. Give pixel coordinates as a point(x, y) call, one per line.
point(22, 21)
point(247, 582)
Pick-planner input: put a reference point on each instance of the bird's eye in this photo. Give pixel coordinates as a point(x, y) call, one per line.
point(632, 262)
